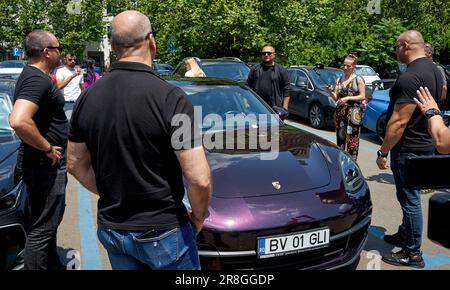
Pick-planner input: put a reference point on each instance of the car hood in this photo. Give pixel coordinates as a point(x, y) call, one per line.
point(298, 166)
point(8, 157)
point(381, 95)
point(369, 79)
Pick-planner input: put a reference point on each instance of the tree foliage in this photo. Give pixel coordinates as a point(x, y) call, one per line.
point(302, 31)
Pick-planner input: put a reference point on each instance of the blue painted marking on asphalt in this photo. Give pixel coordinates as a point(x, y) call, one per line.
point(90, 255)
point(327, 136)
point(430, 261)
point(436, 260)
point(376, 232)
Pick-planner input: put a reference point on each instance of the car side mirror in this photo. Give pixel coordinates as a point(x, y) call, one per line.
point(282, 113)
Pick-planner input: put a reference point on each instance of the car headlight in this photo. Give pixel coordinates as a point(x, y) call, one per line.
point(353, 178)
point(9, 201)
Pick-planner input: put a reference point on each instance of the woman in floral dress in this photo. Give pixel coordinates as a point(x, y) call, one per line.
point(349, 95)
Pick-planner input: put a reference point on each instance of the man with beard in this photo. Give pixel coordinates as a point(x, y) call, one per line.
point(406, 136)
point(70, 80)
point(270, 80)
point(38, 119)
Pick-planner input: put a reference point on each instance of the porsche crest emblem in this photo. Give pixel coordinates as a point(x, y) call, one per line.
point(276, 184)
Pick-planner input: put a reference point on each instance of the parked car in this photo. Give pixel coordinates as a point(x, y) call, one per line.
point(8, 87)
point(227, 68)
point(14, 213)
point(382, 84)
point(309, 96)
point(367, 73)
point(311, 195)
point(163, 69)
point(10, 73)
point(374, 116)
point(13, 63)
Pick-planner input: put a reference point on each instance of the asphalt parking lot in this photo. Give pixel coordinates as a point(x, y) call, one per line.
point(79, 248)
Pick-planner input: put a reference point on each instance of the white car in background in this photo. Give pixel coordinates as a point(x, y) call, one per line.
point(10, 73)
point(367, 73)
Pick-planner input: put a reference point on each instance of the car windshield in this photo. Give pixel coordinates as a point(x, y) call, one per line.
point(7, 76)
point(324, 77)
point(232, 106)
point(365, 71)
point(163, 66)
point(7, 87)
point(233, 71)
point(5, 110)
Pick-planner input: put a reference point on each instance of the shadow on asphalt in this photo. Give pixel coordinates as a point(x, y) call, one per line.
point(386, 178)
point(375, 242)
point(371, 137)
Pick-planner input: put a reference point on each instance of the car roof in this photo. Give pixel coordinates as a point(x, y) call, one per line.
point(10, 70)
point(220, 60)
point(216, 60)
point(201, 81)
point(309, 68)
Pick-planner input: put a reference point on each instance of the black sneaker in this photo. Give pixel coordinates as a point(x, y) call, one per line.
point(401, 258)
point(395, 239)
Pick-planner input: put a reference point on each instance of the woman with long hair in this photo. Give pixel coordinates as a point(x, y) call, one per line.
point(349, 95)
point(90, 76)
point(192, 68)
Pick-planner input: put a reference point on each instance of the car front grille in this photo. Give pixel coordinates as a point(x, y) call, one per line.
point(338, 252)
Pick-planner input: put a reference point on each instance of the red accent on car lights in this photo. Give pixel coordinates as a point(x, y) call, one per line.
point(369, 98)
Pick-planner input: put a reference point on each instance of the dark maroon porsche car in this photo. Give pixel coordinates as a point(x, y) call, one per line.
point(303, 204)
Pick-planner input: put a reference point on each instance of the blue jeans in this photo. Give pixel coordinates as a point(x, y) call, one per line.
point(174, 249)
point(409, 199)
point(68, 108)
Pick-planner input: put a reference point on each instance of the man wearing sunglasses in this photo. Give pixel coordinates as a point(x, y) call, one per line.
point(38, 119)
point(270, 80)
point(406, 136)
point(70, 80)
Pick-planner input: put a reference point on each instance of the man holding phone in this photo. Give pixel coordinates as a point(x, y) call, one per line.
point(70, 81)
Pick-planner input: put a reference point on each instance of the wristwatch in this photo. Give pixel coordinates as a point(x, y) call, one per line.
point(431, 112)
point(380, 154)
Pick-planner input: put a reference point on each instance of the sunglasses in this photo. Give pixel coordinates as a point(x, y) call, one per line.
point(60, 48)
point(395, 46)
point(266, 53)
point(151, 32)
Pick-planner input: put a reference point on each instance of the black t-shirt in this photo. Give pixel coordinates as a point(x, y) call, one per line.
point(35, 86)
point(421, 72)
point(264, 89)
point(125, 120)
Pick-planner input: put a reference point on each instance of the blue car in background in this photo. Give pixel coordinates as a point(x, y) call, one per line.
point(374, 117)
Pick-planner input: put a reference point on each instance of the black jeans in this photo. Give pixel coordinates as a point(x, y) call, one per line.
point(46, 187)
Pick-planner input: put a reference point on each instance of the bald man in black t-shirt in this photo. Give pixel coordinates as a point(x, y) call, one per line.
point(122, 147)
point(407, 136)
